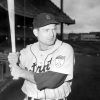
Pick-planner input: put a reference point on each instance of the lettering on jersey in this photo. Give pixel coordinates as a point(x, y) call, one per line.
point(59, 61)
point(41, 68)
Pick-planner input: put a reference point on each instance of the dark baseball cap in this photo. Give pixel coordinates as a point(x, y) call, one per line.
point(44, 19)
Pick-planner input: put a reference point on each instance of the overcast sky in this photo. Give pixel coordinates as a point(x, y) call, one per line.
point(85, 12)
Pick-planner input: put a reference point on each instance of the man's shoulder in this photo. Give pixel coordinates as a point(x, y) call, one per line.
point(66, 47)
point(27, 48)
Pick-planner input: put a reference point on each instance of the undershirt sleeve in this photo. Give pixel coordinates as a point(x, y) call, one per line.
point(49, 80)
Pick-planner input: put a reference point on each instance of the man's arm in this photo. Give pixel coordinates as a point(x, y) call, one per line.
point(19, 72)
point(49, 80)
point(45, 80)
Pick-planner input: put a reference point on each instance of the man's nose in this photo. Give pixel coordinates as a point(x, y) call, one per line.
point(51, 33)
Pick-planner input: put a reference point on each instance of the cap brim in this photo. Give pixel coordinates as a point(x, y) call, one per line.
point(49, 22)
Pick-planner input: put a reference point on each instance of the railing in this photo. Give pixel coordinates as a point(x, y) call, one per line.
point(4, 69)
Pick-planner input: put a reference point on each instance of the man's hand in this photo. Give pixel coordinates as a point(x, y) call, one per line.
point(16, 71)
point(13, 58)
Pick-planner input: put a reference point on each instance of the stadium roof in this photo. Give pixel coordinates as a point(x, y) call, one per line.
point(25, 10)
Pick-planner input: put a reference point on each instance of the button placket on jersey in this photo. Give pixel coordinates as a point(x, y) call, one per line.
point(41, 59)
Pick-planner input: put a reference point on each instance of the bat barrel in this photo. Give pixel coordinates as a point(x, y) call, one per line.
point(12, 23)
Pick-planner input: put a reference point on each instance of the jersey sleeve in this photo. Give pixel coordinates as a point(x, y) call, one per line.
point(63, 62)
point(49, 80)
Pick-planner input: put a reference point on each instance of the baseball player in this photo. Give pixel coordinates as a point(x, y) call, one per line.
point(47, 65)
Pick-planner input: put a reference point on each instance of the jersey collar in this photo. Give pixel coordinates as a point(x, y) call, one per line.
point(35, 47)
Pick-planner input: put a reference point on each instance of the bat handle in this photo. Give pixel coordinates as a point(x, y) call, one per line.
point(13, 44)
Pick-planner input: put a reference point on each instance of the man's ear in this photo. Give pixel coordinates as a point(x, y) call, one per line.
point(35, 31)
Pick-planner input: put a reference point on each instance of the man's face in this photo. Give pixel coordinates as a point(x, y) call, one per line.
point(47, 35)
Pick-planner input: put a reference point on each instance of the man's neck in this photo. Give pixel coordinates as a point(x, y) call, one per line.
point(43, 47)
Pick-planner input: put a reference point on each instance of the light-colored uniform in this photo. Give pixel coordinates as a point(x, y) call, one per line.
point(59, 58)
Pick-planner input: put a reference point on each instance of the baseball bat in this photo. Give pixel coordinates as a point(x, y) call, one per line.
point(12, 25)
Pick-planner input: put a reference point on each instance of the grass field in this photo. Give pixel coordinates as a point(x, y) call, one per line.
point(86, 82)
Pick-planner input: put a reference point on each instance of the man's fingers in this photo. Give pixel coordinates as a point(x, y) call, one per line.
point(13, 57)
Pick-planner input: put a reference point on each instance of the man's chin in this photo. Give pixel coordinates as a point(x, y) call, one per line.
point(51, 44)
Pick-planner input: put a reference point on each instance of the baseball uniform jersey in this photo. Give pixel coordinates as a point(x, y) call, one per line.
point(60, 59)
